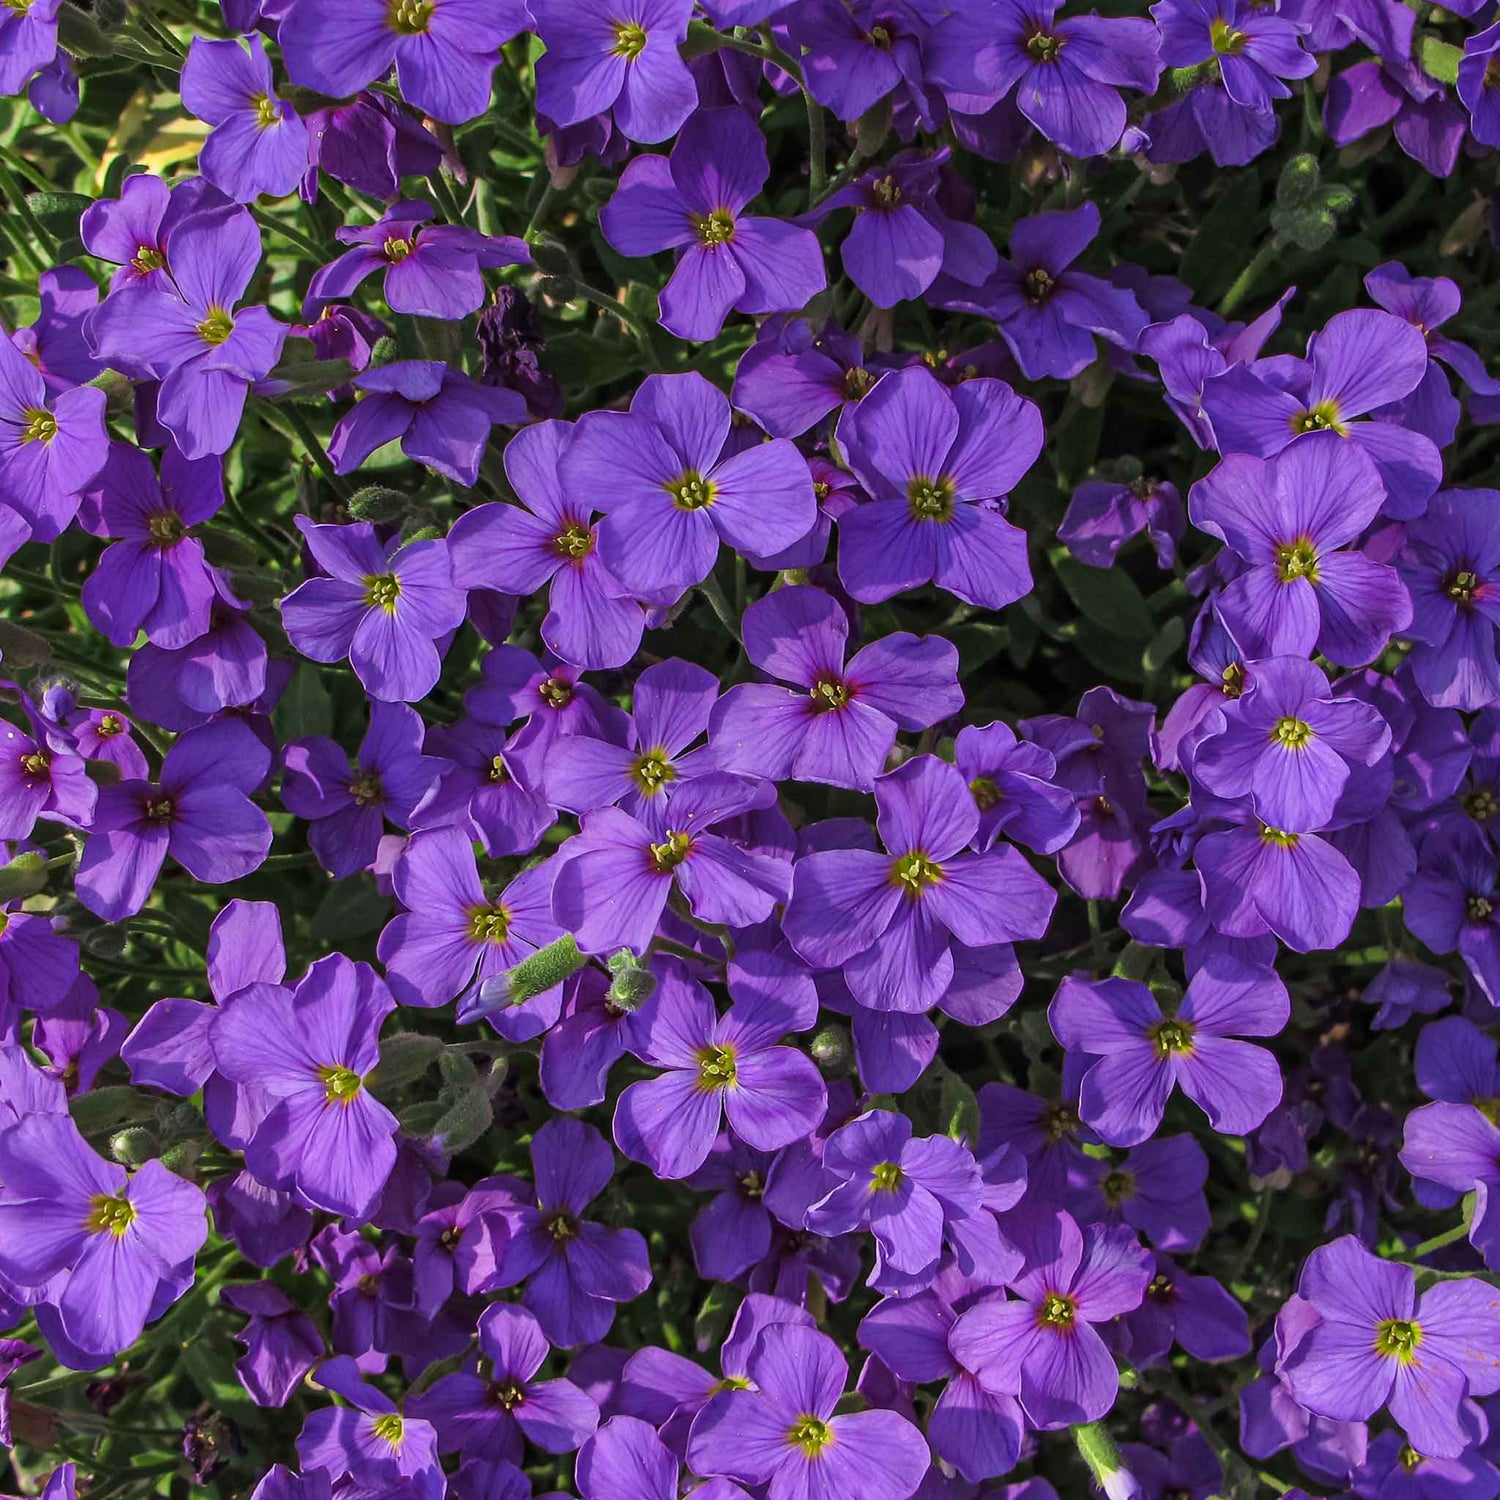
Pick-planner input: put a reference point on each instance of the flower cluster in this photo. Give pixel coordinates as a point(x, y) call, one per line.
point(708, 785)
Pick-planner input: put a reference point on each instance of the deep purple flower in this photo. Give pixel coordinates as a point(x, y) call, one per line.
point(1144, 1054)
point(1456, 1148)
point(110, 1249)
point(1104, 515)
point(257, 144)
point(1254, 51)
point(1013, 785)
point(783, 1432)
point(281, 1342)
point(38, 781)
point(347, 807)
point(890, 919)
point(936, 462)
point(444, 51)
point(1427, 123)
point(575, 1271)
point(1476, 84)
point(672, 486)
point(838, 722)
point(590, 621)
point(1194, 1312)
point(431, 270)
point(1043, 1347)
point(693, 202)
point(311, 1049)
point(1375, 1343)
point(28, 42)
point(440, 417)
point(384, 606)
point(1453, 904)
point(199, 811)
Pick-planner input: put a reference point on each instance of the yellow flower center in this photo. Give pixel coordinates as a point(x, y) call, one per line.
point(575, 541)
point(829, 694)
point(930, 499)
point(147, 259)
point(410, 17)
point(389, 1428)
point(1461, 587)
point(985, 792)
point(1169, 1037)
point(1043, 46)
point(1040, 286)
point(1280, 837)
point(397, 249)
point(913, 873)
point(886, 193)
point(652, 770)
point(809, 1433)
point(691, 491)
point(668, 855)
point(267, 111)
point(1479, 908)
point(41, 426)
point(1225, 40)
point(886, 1177)
point(630, 40)
point(382, 590)
point(161, 810)
point(366, 790)
point(716, 1069)
point(556, 692)
point(1057, 1311)
point(165, 529)
point(489, 924)
point(109, 1215)
point(1324, 417)
point(714, 229)
point(1481, 804)
point(340, 1085)
point(1398, 1338)
point(216, 327)
point(1296, 560)
point(1292, 734)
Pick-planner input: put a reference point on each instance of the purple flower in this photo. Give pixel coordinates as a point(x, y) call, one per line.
point(281, 1342)
point(1103, 515)
point(1429, 126)
point(1194, 1312)
point(51, 447)
point(203, 347)
point(258, 143)
point(1451, 567)
point(1066, 75)
point(1290, 520)
point(890, 919)
point(444, 51)
point(838, 722)
point(1456, 1147)
point(110, 1249)
point(155, 577)
point(311, 1050)
point(590, 622)
point(1144, 1054)
point(199, 812)
point(1013, 785)
point(383, 606)
point(453, 934)
point(1157, 1190)
point(790, 378)
point(575, 1270)
point(936, 462)
point(346, 806)
point(440, 417)
point(28, 42)
point(615, 54)
point(672, 486)
point(715, 1067)
point(1453, 905)
point(672, 702)
point(692, 201)
point(1288, 745)
point(1374, 1344)
point(784, 1432)
point(626, 1460)
point(131, 231)
point(494, 1418)
point(1254, 51)
point(37, 781)
point(614, 876)
point(381, 1451)
point(1476, 85)
point(429, 272)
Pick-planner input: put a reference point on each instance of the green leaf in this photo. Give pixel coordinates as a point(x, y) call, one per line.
point(1224, 239)
point(305, 708)
point(1440, 59)
point(1106, 596)
point(351, 909)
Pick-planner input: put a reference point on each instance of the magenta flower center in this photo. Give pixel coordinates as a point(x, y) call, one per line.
point(691, 491)
point(1297, 559)
point(382, 590)
point(165, 529)
point(716, 1069)
point(574, 542)
point(630, 40)
point(829, 695)
point(985, 792)
point(809, 1433)
point(411, 17)
point(1225, 40)
point(489, 924)
point(340, 1085)
point(1057, 1311)
point(109, 1215)
point(216, 327)
point(1118, 1187)
point(930, 499)
point(886, 1177)
point(1291, 733)
point(389, 1428)
point(41, 426)
point(1398, 1338)
point(1462, 587)
point(652, 770)
point(1171, 1038)
point(912, 873)
point(714, 229)
point(672, 852)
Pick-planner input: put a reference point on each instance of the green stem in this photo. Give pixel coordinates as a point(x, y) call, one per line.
point(817, 149)
point(1098, 1451)
point(283, 417)
point(721, 606)
point(1245, 281)
point(1257, 1233)
point(1437, 1242)
point(292, 236)
point(598, 299)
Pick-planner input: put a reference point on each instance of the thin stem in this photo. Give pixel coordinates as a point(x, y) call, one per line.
point(721, 606)
point(1437, 1242)
point(282, 417)
point(1257, 1233)
point(1245, 281)
point(817, 149)
point(292, 236)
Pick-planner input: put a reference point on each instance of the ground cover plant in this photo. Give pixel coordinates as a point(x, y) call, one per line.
point(749, 747)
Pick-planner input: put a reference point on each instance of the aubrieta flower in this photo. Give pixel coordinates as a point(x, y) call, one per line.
point(575, 1270)
point(1290, 521)
point(431, 270)
point(384, 606)
point(1376, 1343)
point(792, 376)
point(626, 1460)
point(110, 1248)
point(890, 920)
point(258, 143)
point(1013, 784)
point(38, 781)
point(1103, 515)
point(1255, 51)
point(693, 201)
point(784, 1432)
point(444, 51)
point(1453, 904)
point(312, 1049)
point(1427, 123)
point(936, 462)
point(1066, 75)
point(554, 541)
point(1475, 84)
point(1043, 1346)
point(715, 1068)
point(131, 231)
point(672, 486)
point(281, 1342)
point(838, 722)
point(618, 55)
point(28, 43)
point(440, 417)
point(205, 349)
point(1143, 1053)
point(1457, 1148)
